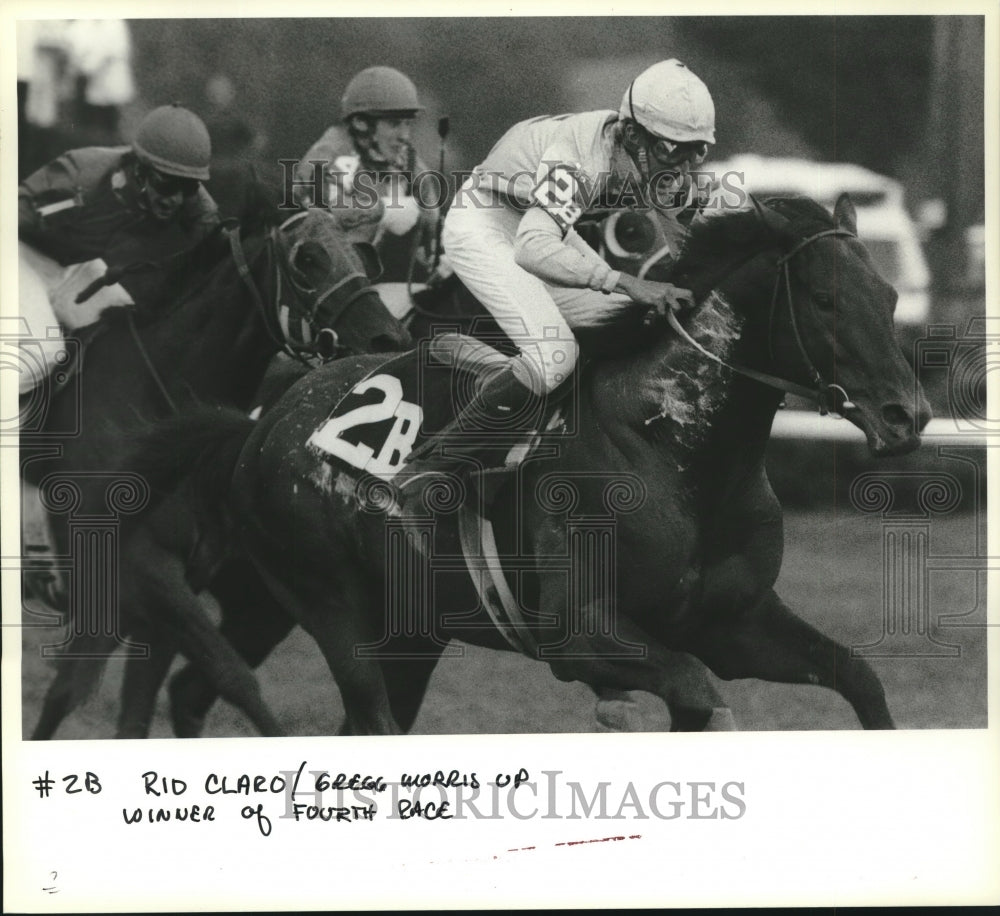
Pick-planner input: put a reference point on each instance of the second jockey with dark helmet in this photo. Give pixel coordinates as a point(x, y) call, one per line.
point(509, 236)
point(369, 166)
point(105, 208)
point(100, 209)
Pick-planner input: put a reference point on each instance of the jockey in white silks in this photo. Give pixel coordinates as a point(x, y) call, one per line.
point(509, 233)
point(105, 207)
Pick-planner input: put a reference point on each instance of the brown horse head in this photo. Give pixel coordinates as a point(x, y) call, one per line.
point(831, 324)
point(329, 287)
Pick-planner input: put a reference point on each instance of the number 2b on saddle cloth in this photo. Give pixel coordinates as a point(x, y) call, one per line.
point(397, 408)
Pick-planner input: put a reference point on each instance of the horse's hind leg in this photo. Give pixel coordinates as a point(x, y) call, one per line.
point(341, 621)
point(770, 642)
point(406, 679)
point(58, 702)
point(162, 582)
point(253, 622)
point(141, 684)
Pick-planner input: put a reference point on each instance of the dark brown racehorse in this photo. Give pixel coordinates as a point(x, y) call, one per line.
point(253, 621)
point(277, 282)
point(669, 441)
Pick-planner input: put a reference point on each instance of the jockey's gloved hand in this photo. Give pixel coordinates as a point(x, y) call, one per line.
point(675, 298)
point(401, 215)
point(443, 271)
point(660, 297)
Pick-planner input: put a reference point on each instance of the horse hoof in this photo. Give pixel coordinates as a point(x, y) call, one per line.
point(619, 715)
point(185, 723)
point(186, 726)
point(721, 720)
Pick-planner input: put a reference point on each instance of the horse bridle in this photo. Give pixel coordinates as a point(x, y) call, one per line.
point(276, 321)
point(823, 392)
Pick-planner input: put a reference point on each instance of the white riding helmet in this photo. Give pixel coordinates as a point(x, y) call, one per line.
point(671, 102)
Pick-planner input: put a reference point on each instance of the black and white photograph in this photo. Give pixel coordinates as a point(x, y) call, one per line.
point(545, 442)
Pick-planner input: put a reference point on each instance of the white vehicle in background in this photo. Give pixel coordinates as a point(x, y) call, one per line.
point(884, 224)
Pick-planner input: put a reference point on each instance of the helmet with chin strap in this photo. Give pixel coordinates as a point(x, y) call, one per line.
point(174, 141)
point(380, 91)
point(670, 102)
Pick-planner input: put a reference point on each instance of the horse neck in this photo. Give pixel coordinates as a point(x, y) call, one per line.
point(690, 408)
point(216, 344)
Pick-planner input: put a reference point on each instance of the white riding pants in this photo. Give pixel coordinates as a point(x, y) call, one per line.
point(478, 236)
point(46, 291)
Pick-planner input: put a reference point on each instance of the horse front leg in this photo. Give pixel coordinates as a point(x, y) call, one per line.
point(771, 643)
point(340, 616)
point(41, 580)
point(598, 654)
point(162, 595)
point(253, 622)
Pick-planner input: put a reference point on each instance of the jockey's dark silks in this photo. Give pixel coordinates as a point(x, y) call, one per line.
point(86, 204)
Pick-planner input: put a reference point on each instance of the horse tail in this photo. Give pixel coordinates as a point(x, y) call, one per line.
point(201, 444)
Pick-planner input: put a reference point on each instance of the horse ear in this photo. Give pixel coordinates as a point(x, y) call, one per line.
point(369, 257)
point(259, 208)
point(844, 214)
point(774, 221)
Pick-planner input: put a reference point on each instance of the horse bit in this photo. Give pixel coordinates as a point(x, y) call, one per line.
point(327, 343)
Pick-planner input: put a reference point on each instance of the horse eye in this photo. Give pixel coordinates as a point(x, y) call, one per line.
point(310, 257)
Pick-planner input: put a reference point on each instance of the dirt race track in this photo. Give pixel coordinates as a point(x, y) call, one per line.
point(832, 576)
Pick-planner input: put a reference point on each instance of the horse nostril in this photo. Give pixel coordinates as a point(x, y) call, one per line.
point(897, 415)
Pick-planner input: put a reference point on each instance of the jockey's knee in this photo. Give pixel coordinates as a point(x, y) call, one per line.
point(549, 362)
point(37, 358)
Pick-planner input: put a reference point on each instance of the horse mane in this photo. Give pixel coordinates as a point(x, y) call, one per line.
point(260, 211)
point(188, 271)
point(738, 232)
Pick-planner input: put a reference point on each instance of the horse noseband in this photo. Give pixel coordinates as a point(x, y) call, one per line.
point(327, 343)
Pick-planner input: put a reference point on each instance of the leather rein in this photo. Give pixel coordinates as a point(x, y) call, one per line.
point(822, 392)
point(275, 321)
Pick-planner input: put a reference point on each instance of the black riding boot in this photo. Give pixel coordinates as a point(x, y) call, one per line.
point(502, 413)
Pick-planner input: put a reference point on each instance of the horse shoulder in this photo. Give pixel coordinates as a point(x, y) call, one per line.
point(748, 543)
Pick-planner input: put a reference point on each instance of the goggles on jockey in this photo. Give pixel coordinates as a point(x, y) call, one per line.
point(169, 185)
point(672, 152)
point(667, 152)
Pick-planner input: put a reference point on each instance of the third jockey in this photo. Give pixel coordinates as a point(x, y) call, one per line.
point(509, 233)
point(368, 170)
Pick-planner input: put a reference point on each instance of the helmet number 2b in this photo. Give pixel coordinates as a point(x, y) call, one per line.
point(398, 442)
point(558, 194)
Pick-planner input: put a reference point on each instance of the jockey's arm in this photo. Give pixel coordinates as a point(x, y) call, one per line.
point(47, 191)
point(541, 249)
